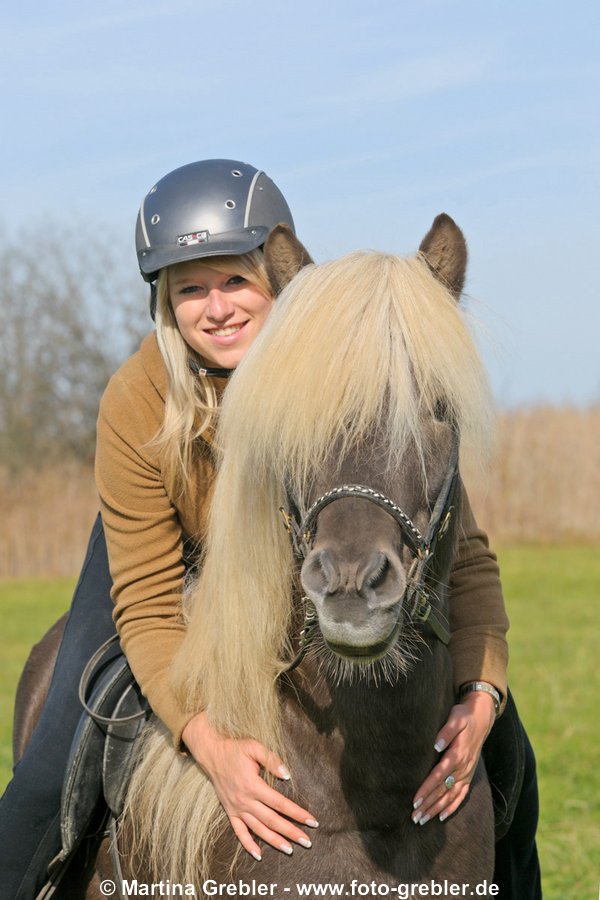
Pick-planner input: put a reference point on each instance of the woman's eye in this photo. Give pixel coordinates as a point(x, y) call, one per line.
point(236, 279)
point(190, 289)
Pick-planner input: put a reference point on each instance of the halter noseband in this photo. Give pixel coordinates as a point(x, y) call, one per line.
point(416, 597)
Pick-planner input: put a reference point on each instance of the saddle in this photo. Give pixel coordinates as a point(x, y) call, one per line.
point(104, 745)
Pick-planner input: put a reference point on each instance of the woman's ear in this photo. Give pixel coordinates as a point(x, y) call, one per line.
point(445, 250)
point(284, 256)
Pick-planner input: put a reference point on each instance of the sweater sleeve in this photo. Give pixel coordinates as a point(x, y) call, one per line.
point(478, 620)
point(144, 539)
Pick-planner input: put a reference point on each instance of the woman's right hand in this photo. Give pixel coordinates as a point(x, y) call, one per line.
point(252, 806)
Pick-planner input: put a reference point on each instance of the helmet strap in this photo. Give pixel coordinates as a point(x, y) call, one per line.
point(201, 370)
point(153, 300)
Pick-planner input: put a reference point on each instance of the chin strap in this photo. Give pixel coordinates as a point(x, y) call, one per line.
point(200, 370)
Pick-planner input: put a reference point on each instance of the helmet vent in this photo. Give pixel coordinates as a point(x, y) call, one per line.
point(230, 204)
point(155, 219)
point(236, 173)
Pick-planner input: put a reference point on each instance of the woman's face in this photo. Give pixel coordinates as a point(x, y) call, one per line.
point(218, 314)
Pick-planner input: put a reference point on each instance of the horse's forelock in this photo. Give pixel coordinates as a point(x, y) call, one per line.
point(346, 339)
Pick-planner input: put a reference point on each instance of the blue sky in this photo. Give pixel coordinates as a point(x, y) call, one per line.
point(372, 118)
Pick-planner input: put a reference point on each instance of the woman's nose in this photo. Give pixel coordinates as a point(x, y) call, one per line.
point(220, 306)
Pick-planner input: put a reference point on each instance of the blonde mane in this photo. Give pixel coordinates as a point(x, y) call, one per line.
point(370, 339)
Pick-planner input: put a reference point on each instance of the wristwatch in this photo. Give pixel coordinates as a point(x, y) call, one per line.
point(486, 688)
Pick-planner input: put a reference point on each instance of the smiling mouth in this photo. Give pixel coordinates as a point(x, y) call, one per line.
point(226, 331)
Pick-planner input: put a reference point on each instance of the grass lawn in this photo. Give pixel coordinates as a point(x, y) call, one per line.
point(552, 595)
point(28, 609)
point(552, 599)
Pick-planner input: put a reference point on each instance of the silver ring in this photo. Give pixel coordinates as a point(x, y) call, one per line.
point(449, 782)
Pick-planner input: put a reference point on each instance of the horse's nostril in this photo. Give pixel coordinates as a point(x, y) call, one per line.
point(381, 578)
point(378, 579)
point(320, 575)
point(375, 572)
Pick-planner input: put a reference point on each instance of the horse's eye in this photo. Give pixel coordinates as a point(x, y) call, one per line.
point(440, 411)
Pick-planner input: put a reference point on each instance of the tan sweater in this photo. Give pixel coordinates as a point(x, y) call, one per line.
point(145, 519)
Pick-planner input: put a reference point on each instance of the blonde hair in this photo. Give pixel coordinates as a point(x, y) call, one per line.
point(191, 403)
point(368, 341)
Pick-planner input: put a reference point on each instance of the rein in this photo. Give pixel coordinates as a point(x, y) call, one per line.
point(416, 599)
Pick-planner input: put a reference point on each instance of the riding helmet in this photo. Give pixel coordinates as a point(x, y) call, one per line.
point(208, 208)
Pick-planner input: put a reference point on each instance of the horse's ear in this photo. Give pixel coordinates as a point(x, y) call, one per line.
point(445, 249)
point(284, 256)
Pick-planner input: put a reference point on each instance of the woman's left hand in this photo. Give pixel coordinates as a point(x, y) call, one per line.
point(460, 741)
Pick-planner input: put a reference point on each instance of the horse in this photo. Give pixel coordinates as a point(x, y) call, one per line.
point(318, 623)
point(331, 647)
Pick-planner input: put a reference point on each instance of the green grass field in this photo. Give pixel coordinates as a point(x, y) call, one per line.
point(29, 607)
point(552, 599)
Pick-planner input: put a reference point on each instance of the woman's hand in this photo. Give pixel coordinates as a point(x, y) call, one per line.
point(468, 725)
point(252, 806)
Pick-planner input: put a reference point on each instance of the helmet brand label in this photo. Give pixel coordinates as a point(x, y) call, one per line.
point(195, 237)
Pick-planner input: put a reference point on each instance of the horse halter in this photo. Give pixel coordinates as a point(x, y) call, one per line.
point(416, 600)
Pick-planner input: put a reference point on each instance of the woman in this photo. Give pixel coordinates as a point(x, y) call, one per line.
point(199, 234)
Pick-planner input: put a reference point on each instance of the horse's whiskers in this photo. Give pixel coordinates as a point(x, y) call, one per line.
point(396, 664)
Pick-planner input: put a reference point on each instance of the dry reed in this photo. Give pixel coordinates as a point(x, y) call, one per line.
point(543, 484)
point(47, 515)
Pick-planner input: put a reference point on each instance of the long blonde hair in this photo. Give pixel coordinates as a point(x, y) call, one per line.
point(191, 403)
point(368, 340)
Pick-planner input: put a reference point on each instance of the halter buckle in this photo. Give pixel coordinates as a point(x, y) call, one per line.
point(287, 519)
point(422, 607)
point(445, 523)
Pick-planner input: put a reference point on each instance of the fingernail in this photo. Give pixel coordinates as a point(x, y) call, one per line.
point(416, 818)
point(443, 816)
point(305, 842)
point(312, 823)
point(283, 773)
point(417, 803)
point(256, 856)
point(286, 849)
point(439, 745)
point(424, 819)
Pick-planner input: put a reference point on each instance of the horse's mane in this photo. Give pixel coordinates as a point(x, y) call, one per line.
point(368, 340)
